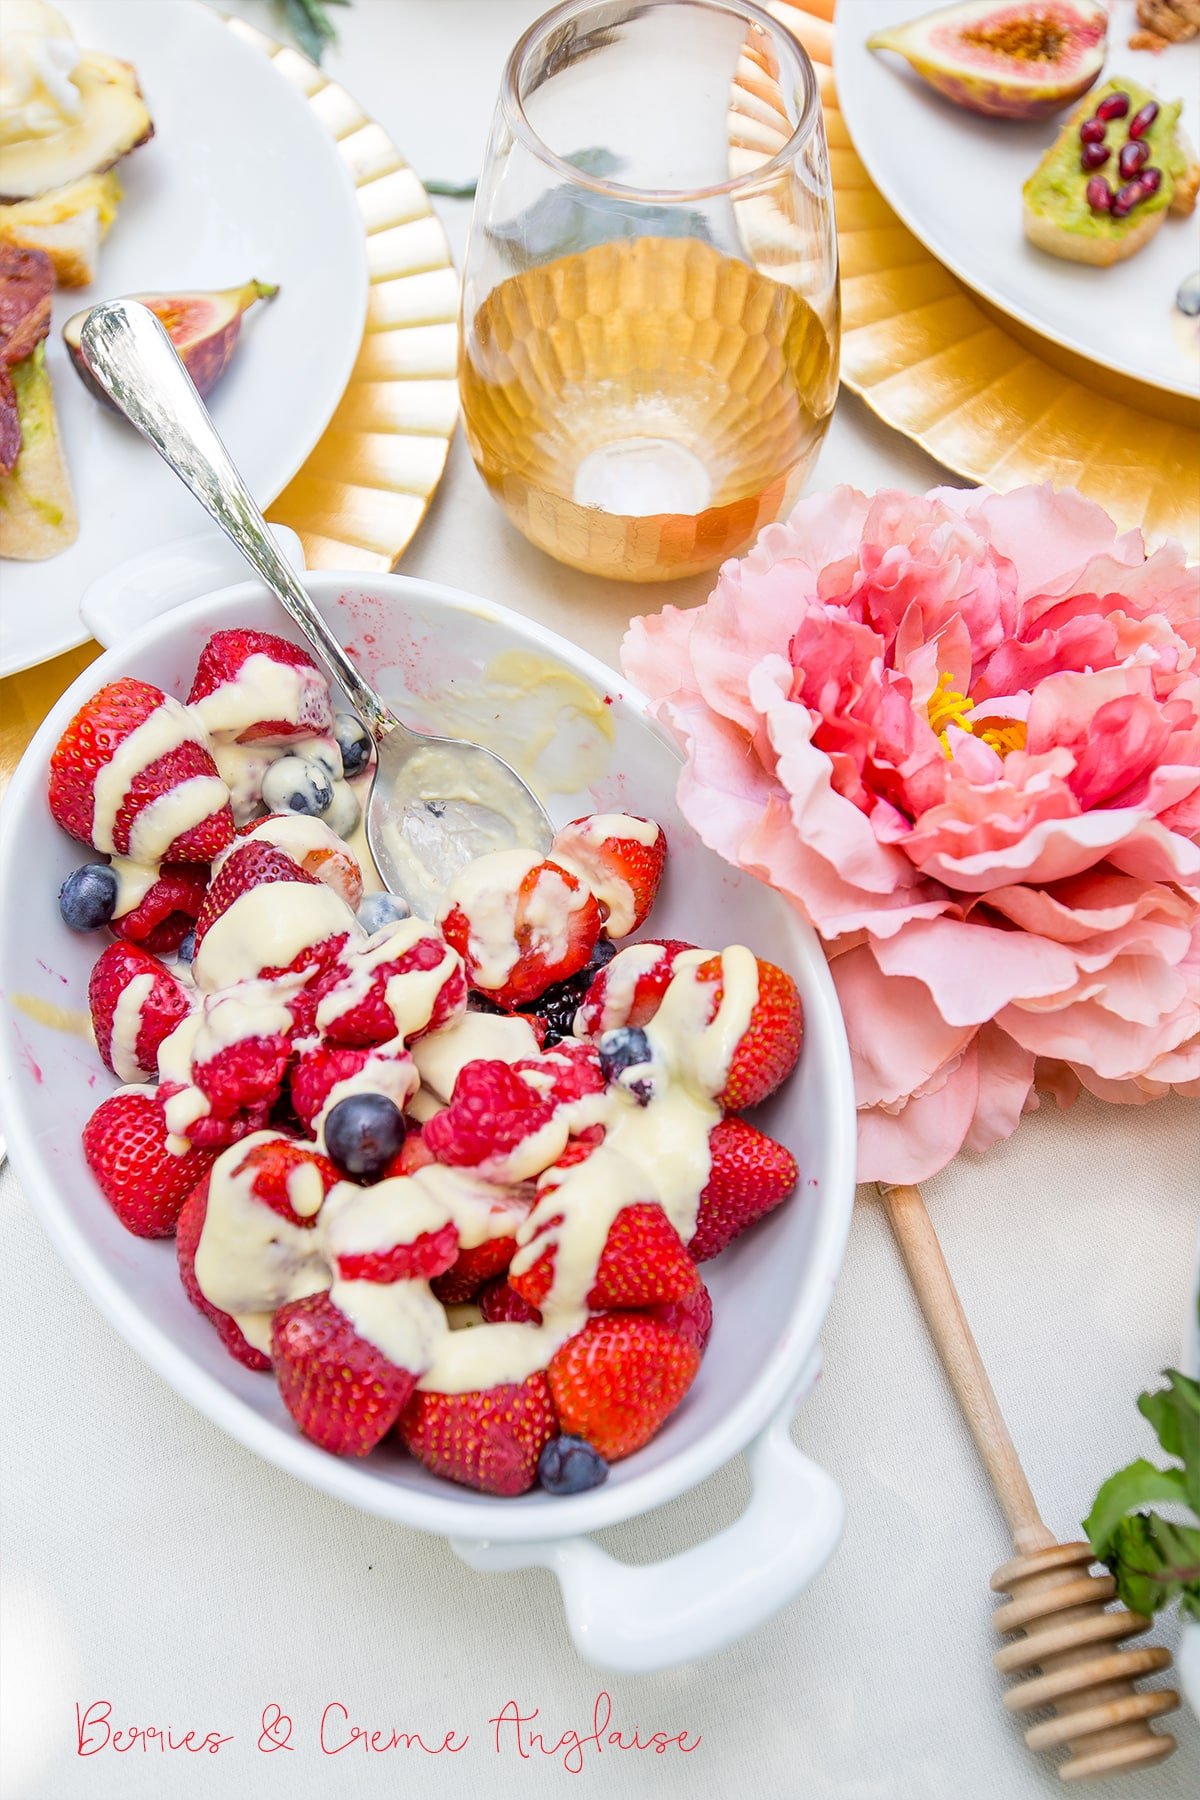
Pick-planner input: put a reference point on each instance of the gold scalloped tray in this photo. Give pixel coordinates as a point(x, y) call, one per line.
point(365, 488)
point(991, 400)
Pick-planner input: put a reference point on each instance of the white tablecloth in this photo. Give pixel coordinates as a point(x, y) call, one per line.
point(150, 1563)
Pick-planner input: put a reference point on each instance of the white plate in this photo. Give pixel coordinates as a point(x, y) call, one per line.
point(240, 179)
point(955, 179)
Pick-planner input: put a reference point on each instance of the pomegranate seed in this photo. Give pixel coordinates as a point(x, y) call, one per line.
point(1134, 156)
point(1092, 131)
point(1094, 156)
point(1150, 180)
point(1126, 198)
point(1141, 122)
point(1099, 194)
point(1113, 106)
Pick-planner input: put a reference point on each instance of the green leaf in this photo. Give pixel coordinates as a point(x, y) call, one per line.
point(451, 190)
point(1131, 1487)
point(309, 26)
point(1156, 1562)
point(1174, 1412)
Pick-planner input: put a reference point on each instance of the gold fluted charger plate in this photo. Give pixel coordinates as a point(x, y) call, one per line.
point(990, 399)
point(359, 498)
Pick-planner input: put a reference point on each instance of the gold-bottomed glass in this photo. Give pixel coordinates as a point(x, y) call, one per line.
point(650, 320)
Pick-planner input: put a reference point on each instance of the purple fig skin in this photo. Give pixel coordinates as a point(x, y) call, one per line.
point(204, 328)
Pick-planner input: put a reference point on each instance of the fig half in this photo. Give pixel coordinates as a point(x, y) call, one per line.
point(1008, 61)
point(204, 329)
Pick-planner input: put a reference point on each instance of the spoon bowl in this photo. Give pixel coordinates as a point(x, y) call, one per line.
point(435, 802)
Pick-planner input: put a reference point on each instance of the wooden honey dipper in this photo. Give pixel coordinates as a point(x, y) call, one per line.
point(1068, 1635)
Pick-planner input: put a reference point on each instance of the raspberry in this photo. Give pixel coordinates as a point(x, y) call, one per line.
point(491, 1111)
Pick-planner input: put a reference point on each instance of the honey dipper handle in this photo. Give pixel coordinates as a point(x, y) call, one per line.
point(963, 1364)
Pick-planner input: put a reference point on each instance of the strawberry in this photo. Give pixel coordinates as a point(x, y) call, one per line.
point(167, 910)
point(237, 717)
point(159, 1012)
point(769, 1048)
point(251, 865)
point(489, 1440)
point(622, 871)
point(412, 1155)
point(318, 850)
point(643, 1263)
point(187, 1240)
point(500, 1304)
point(474, 1266)
point(423, 1258)
point(691, 1317)
point(125, 1143)
point(552, 921)
point(89, 744)
point(491, 1112)
point(750, 1174)
point(240, 1081)
point(343, 1393)
point(629, 989)
point(368, 1017)
point(618, 1380)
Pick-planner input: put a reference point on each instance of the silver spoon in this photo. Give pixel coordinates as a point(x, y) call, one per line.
point(435, 802)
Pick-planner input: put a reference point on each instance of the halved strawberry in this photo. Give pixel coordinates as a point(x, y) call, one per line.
point(249, 865)
point(620, 867)
point(254, 705)
point(750, 1174)
point(187, 1240)
point(343, 1393)
point(421, 1258)
point(643, 1263)
point(629, 989)
point(125, 1143)
point(371, 997)
point(88, 746)
point(167, 910)
point(618, 1380)
point(490, 1440)
point(161, 1008)
point(473, 1267)
point(550, 918)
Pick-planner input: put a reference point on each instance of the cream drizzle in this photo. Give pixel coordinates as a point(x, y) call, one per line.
point(267, 927)
point(167, 728)
point(127, 1021)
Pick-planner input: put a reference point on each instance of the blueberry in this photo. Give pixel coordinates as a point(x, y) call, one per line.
point(362, 1134)
point(324, 750)
point(343, 812)
point(187, 947)
point(296, 784)
point(354, 742)
point(626, 1047)
point(88, 897)
point(569, 1465)
point(378, 910)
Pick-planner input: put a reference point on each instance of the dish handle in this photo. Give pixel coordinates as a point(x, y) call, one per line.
point(635, 1618)
point(129, 596)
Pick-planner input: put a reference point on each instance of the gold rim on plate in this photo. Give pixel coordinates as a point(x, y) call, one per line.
point(365, 488)
point(987, 397)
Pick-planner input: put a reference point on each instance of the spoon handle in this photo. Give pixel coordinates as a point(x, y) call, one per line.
point(130, 356)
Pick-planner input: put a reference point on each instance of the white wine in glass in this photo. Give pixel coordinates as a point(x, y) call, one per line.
point(650, 304)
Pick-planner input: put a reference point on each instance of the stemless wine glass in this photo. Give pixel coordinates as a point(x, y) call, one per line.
point(650, 302)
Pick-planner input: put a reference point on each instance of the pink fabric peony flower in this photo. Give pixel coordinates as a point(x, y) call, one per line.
point(962, 732)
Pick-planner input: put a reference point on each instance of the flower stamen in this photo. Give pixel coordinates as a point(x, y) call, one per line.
point(947, 706)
